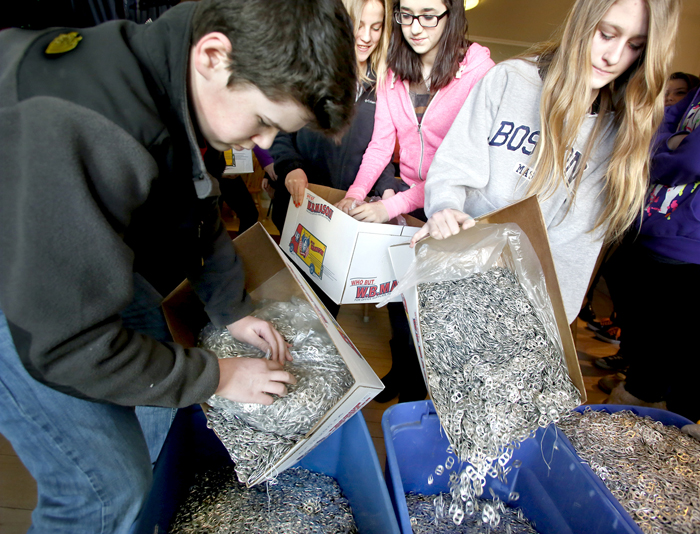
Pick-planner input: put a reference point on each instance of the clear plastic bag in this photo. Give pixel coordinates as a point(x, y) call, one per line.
point(256, 435)
point(492, 351)
point(483, 247)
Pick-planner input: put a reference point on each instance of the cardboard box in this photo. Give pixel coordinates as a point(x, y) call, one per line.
point(269, 275)
point(526, 214)
point(346, 258)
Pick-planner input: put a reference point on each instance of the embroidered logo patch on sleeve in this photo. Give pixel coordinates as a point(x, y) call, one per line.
point(64, 43)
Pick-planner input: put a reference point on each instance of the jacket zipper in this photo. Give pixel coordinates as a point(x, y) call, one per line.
point(199, 239)
point(420, 133)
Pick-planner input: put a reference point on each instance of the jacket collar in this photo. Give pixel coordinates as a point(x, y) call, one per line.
point(164, 48)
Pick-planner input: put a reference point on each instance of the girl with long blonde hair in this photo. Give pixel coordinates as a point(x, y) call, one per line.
point(308, 156)
point(571, 121)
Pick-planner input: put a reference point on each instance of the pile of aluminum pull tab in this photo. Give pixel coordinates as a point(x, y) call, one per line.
point(300, 501)
point(495, 376)
point(428, 516)
point(258, 436)
point(653, 470)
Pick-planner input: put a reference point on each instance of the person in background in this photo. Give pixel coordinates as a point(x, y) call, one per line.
point(432, 69)
point(235, 192)
point(608, 328)
point(659, 272)
point(678, 86)
point(107, 205)
point(572, 122)
point(308, 156)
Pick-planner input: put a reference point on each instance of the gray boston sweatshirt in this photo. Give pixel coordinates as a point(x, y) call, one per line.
point(484, 163)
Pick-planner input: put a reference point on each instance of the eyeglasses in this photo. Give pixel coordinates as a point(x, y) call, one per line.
point(427, 21)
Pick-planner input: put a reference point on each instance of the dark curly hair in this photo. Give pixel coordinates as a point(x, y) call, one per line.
point(299, 49)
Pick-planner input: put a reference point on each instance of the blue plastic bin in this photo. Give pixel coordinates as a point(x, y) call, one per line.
point(663, 416)
point(348, 455)
point(557, 492)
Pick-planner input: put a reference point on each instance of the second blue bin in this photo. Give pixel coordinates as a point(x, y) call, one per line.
point(555, 491)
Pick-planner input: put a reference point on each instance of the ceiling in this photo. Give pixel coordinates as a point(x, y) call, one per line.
point(509, 26)
point(517, 20)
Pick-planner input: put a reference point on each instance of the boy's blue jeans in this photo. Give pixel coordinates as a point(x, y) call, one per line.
point(91, 461)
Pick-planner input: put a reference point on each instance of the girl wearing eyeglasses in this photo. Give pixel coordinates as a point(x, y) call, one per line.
point(432, 69)
point(571, 122)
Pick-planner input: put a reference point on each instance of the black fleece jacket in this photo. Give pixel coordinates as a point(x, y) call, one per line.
point(101, 178)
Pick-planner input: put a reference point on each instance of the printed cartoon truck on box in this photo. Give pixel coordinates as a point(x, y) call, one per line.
point(309, 249)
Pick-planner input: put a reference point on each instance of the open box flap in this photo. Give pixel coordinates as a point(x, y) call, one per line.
point(527, 215)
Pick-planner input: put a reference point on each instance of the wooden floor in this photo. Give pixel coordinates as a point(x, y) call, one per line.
point(18, 489)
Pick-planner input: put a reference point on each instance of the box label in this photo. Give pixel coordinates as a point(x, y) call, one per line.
point(309, 249)
point(366, 289)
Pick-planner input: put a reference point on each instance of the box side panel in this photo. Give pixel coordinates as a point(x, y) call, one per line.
point(370, 275)
point(358, 366)
point(330, 195)
point(260, 260)
point(357, 398)
point(320, 239)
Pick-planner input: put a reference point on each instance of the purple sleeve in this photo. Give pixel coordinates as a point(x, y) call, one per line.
point(263, 157)
point(680, 166)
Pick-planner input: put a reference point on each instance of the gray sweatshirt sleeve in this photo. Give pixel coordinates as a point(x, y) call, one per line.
point(462, 161)
point(484, 164)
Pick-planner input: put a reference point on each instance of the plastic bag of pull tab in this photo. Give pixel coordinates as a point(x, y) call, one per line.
point(490, 347)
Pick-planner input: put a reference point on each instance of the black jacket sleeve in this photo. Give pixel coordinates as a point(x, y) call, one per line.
point(286, 155)
point(70, 181)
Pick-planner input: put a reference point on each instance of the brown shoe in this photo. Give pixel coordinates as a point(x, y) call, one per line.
point(608, 383)
point(619, 395)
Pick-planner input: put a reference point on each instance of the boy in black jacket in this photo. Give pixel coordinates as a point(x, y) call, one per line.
point(107, 204)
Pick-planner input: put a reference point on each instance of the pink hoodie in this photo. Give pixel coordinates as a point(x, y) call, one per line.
point(395, 115)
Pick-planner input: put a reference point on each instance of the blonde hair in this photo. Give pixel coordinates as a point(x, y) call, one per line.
point(377, 60)
point(636, 100)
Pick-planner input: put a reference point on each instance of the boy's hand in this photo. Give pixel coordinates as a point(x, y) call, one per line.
point(371, 212)
point(295, 182)
point(252, 379)
point(262, 335)
point(442, 224)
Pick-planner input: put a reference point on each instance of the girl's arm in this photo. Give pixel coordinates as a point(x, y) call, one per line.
point(406, 201)
point(263, 156)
